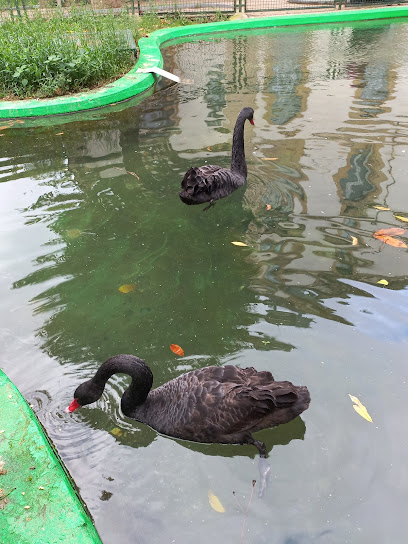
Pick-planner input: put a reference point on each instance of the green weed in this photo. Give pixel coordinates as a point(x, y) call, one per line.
point(68, 52)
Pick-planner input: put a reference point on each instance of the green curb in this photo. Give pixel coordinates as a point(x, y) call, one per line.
point(38, 500)
point(135, 83)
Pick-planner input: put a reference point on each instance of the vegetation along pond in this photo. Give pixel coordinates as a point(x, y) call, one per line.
point(99, 257)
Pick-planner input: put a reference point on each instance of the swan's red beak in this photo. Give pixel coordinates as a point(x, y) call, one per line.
point(73, 406)
point(252, 122)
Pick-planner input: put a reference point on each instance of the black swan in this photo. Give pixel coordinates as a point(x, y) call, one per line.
point(208, 183)
point(213, 404)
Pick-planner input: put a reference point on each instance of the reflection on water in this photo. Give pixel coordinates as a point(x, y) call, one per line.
point(91, 205)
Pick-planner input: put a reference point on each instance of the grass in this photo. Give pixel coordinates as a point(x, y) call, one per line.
point(44, 57)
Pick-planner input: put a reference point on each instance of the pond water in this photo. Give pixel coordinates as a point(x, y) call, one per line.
point(90, 205)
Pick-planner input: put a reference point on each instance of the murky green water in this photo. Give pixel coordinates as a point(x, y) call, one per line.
point(88, 206)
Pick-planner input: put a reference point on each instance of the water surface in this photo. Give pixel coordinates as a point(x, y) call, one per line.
point(90, 205)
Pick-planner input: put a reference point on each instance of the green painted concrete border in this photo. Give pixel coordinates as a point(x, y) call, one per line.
point(38, 501)
point(135, 83)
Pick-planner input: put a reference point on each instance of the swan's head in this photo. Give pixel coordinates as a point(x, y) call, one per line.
point(249, 114)
point(86, 393)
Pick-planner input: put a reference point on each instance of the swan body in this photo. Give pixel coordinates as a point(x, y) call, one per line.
point(213, 404)
point(208, 183)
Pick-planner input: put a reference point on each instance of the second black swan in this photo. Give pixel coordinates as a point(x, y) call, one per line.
point(210, 182)
point(213, 404)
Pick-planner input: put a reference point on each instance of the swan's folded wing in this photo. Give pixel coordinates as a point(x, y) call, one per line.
point(203, 180)
point(244, 406)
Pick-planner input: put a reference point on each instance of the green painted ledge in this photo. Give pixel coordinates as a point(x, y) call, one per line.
point(41, 504)
point(135, 83)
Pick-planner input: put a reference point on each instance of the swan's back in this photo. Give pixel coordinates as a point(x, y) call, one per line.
point(221, 404)
point(209, 182)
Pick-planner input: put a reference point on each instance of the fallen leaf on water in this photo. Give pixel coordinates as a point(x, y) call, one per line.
point(269, 158)
point(73, 233)
point(177, 349)
point(6, 126)
point(401, 218)
point(382, 208)
point(116, 432)
point(268, 206)
point(360, 408)
point(127, 171)
point(390, 240)
point(241, 244)
point(215, 502)
point(59, 133)
point(383, 282)
point(394, 231)
point(354, 240)
point(127, 287)
point(208, 148)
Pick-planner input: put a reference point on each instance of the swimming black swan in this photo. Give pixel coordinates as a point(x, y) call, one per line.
point(213, 404)
point(208, 183)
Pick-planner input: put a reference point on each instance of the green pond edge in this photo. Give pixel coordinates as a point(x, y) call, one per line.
point(42, 505)
point(134, 83)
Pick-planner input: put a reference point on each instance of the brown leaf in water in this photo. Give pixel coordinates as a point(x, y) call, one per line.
point(73, 233)
point(127, 288)
point(177, 349)
point(394, 231)
point(354, 240)
point(394, 242)
point(127, 171)
point(268, 206)
point(208, 148)
point(269, 158)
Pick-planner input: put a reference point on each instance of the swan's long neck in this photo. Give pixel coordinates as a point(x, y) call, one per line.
point(238, 162)
point(142, 379)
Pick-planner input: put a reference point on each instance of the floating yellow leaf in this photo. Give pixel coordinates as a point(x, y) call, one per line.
point(208, 148)
point(241, 244)
point(383, 282)
point(360, 409)
point(382, 208)
point(59, 133)
point(177, 349)
point(401, 218)
point(215, 502)
point(116, 432)
point(127, 288)
point(354, 240)
point(269, 158)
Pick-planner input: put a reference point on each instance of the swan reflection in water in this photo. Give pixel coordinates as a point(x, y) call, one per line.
point(210, 405)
